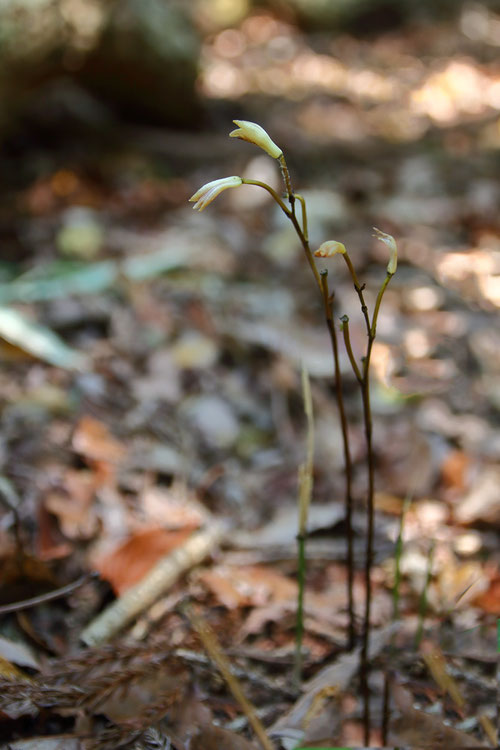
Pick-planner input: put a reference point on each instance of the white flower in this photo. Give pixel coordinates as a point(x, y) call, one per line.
point(329, 249)
point(211, 190)
point(391, 243)
point(250, 131)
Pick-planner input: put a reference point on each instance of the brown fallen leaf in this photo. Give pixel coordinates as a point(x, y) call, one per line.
point(93, 440)
point(130, 562)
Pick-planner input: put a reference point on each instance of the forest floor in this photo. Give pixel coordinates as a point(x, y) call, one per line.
point(164, 422)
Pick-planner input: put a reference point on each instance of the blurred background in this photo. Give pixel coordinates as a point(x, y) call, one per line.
point(143, 344)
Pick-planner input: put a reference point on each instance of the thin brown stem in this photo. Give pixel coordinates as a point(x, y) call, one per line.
point(288, 183)
point(348, 347)
point(328, 305)
point(48, 597)
point(323, 288)
point(367, 418)
point(307, 249)
point(370, 460)
point(359, 291)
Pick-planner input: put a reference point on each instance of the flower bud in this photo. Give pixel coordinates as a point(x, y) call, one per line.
point(329, 249)
point(211, 190)
point(391, 244)
point(253, 133)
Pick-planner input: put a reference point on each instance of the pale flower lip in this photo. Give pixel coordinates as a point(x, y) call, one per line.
point(329, 248)
point(211, 190)
point(391, 243)
point(253, 133)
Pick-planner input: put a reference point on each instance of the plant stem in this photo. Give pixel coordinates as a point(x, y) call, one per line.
point(305, 493)
point(299, 632)
point(286, 179)
point(305, 229)
point(348, 347)
point(328, 304)
point(367, 418)
point(364, 382)
point(272, 192)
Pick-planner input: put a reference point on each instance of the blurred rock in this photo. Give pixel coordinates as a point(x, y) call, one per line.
point(214, 419)
point(137, 57)
point(146, 62)
point(369, 15)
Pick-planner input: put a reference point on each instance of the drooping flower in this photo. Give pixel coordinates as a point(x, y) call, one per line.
point(391, 244)
point(253, 133)
point(329, 248)
point(211, 190)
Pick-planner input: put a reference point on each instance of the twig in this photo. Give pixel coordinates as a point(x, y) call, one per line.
point(154, 584)
point(213, 649)
point(50, 596)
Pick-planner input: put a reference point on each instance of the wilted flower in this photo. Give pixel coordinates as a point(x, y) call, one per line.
point(391, 243)
point(211, 190)
point(329, 248)
point(250, 131)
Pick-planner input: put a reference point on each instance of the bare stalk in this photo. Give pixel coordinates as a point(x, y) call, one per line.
point(328, 304)
point(364, 383)
point(302, 233)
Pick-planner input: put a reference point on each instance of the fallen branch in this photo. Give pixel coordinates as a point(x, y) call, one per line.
point(154, 584)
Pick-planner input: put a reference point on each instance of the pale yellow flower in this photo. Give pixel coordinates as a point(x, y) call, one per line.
point(211, 190)
point(253, 133)
point(391, 244)
point(329, 248)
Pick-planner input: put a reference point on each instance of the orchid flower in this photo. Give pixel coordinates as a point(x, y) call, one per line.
point(391, 243)
point(329, 248)
point(211, 190)
point(253, 133)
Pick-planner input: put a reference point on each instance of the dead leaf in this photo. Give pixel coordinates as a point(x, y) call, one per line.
point(454, 470)
point(482, 503)
point(338, 675)
point(93, 440)
point(130, 562)
point(489, 600)
point(175, 507)
point(73, 504)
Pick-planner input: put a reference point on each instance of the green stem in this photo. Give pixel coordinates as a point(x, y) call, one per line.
point(307, 249)
point(305, 230)
point(380, 294)
point(272, 192)
point(299, 634)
